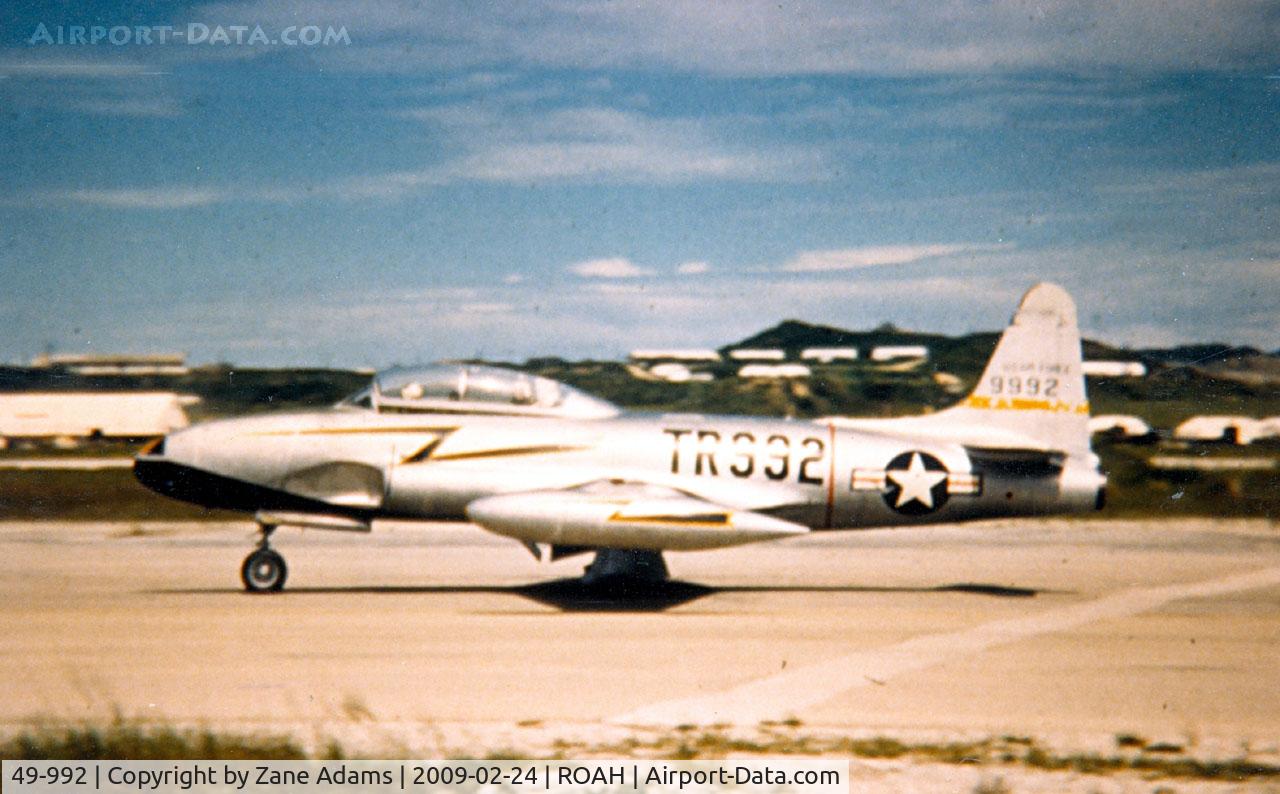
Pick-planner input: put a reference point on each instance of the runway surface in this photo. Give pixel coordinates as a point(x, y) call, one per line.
point(1071, 631)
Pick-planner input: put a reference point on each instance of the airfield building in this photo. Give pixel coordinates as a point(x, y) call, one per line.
point(687, 355)
point(1119, 425)
point(84, 415)
point(774, 371)
point(753, 354)
point(1114, 369)
point(885, 353)
point(678, 373)
point(1231, 429)
point(829, 355)
point(113, 364)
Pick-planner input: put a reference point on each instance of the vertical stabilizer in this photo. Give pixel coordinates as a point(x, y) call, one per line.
point(1034, 384)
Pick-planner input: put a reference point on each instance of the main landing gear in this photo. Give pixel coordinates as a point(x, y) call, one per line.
point(627, 567)
point(264, 570)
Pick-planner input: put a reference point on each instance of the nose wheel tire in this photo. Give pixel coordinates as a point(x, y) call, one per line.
point(263, 571)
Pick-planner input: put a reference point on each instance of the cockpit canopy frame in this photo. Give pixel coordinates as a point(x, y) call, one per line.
point(476, 389)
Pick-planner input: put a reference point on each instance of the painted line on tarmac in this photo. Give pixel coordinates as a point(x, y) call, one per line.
point(782, 695)
point(75, 464)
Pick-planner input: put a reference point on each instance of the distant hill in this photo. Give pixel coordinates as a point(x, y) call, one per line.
point(1182, 381)
point(1201, 355)
point(795, 335)
point(963, 354)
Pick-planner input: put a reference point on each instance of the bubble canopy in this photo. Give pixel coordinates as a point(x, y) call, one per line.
point(473, 388)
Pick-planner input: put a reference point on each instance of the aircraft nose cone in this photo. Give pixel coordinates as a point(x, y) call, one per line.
point(152, 470)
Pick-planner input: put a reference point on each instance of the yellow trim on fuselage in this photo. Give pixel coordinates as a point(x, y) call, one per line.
point(544, 449)
point(355, 431)
point(1023, 404)
point(720, 520)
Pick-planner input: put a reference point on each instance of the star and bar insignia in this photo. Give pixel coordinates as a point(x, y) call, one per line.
point(915, 483)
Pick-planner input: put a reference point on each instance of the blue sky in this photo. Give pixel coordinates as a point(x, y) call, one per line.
point(581, 178)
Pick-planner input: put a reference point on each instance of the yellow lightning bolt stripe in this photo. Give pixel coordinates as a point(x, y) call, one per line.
point(1021, 404)
point(422, 452)
point(713, 520)
point(355, 431)
point(503, 453)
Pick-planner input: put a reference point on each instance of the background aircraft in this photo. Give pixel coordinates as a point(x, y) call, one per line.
point(564, 472)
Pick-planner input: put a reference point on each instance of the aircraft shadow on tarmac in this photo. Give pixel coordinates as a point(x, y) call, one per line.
point(573, 595)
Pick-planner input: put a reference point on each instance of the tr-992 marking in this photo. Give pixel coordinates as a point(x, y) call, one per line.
point(742, 449)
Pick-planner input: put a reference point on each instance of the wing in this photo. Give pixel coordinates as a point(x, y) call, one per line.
point(624, 515)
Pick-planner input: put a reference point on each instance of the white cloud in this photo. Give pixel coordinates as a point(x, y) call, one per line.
point(153, 107)
point(164, 198)
point(763, 37)
point(387, 185)
point(599, 145)
point(874, 256)
point(43, 69)
point(489, 307)
point(472, 83)
point(1252, 180)
point(100, 88)
point(618, 289)
point(180, 197)
point(693, 268)
point(615, 267)
point(596, 162)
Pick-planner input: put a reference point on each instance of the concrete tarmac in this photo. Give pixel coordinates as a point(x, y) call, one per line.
point(444, 638)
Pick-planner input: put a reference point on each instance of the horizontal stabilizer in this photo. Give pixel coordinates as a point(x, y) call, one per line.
point(1016, 462)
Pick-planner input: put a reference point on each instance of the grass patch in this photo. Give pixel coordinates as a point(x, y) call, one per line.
point(122, 739)
point(356, 710)
point(1129, 741)
point(1005, 751)
point(876, 748)
point(126, 740)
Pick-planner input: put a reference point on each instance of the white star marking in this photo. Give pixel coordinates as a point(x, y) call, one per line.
point(915, 482)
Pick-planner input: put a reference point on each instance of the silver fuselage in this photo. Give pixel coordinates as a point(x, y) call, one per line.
point(433, 465)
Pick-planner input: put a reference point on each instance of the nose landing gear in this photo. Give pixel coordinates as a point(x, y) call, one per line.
point(264, 570)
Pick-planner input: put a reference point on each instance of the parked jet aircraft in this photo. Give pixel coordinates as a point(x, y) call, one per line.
point(564, 472)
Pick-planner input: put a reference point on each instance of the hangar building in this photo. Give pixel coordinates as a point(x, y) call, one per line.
point(47, 415)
